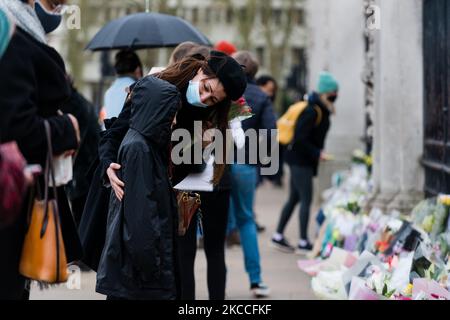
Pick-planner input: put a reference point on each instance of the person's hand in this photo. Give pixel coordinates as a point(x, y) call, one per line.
point(75, 126)
point(325, 156)
point(102, 115)
point(116, 183)
point(30, 172)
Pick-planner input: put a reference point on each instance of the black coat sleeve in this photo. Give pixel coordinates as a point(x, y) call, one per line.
point(141, 229)
point(301, 143)
point(112, 138)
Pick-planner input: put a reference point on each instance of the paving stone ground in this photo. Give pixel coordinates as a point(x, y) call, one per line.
point(279, 269)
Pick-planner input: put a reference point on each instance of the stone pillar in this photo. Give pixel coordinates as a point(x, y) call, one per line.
point(399, 106)
point(335, 30)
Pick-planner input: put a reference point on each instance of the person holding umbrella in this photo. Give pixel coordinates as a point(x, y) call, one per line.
point(128, 68)
point(146, 267)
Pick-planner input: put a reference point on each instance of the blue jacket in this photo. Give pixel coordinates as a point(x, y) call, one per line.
point(262, 109)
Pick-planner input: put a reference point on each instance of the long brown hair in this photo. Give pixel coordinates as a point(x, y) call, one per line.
point(179, 74)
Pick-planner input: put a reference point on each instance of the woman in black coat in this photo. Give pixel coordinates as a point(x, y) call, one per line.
point(33, 86)
point(220, 80)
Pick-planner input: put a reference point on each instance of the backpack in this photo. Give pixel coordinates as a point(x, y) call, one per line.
point(286, 124)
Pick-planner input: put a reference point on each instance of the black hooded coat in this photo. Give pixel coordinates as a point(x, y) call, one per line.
point(139, 257)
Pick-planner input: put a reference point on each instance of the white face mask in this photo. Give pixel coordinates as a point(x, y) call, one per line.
point(193, 94)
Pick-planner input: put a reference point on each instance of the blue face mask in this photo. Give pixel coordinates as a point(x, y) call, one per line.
point(193, 94)
point(50, 21)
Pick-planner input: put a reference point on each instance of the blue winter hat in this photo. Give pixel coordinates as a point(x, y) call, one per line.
point(327, 83)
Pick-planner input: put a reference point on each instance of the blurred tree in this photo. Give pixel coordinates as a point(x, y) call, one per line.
point(244, 17)
point(277, 37)
point(160, 6)
point(78, 39)
point(277, 49)
point(277, 29)
point(74, 42)
point(277, 23)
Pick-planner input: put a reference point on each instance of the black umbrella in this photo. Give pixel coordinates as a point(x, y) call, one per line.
point(146, 30)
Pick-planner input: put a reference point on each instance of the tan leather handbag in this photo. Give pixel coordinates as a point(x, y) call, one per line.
point(43, 254)
point(188, 204)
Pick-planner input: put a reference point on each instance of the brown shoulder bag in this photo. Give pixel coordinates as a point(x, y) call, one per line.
point(188, 204)
point(43, 254)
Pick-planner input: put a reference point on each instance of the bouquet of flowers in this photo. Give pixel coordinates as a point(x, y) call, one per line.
point(360, 157)
point(239, 110)
point(379, 282)
point(432, 215)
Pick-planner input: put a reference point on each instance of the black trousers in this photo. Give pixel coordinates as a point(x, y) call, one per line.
point(214, 209)
point(300, 190)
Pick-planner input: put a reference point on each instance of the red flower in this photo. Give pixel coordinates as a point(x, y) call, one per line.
point(241, 101)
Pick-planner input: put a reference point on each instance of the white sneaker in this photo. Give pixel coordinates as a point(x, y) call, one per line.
point(260, 290)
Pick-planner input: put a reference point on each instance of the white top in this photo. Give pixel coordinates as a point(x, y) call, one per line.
point(199, 181)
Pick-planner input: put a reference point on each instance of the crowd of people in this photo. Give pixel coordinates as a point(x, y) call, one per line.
point(119, 212)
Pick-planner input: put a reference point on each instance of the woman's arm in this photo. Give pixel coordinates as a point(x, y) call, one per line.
point(109, 147)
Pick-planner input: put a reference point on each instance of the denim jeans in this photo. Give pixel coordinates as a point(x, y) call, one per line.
point(243, 187)
point(232, 224)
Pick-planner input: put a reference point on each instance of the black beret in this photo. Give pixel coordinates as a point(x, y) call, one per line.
point(229, 72)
